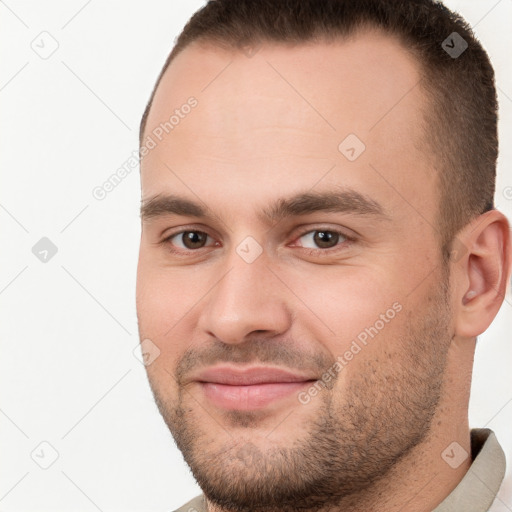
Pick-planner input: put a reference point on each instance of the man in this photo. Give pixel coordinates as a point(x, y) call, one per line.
point(319, 253)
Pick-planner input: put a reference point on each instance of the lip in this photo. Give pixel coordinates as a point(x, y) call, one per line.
point(249, 376)
point(249, 388)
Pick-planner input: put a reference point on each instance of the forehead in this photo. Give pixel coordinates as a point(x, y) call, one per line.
point(288, 109)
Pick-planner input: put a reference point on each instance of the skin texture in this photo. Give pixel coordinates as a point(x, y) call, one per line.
point(267, 126)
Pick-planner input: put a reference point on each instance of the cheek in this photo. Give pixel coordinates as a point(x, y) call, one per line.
point(165, 297)
point(168, 301)
point(341, 302)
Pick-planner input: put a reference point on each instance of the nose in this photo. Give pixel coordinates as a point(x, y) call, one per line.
point(246, 301)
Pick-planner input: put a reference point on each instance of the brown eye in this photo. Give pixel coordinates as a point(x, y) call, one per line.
point(326, 239)
point(321, 239)
point(189, 239)
point(194, 239)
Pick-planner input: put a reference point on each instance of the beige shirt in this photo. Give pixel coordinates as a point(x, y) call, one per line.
point(475, 492)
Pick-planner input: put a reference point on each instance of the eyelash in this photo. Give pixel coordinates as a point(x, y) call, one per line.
point(348, 240)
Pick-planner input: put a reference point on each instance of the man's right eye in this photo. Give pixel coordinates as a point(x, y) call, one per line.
point(188, 240)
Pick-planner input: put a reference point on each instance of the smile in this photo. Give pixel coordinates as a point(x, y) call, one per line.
point(250, 388)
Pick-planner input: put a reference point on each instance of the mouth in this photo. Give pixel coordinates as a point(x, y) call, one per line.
point(249, 388)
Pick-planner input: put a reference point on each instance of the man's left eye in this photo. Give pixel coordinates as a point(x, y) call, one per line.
point(322, 239)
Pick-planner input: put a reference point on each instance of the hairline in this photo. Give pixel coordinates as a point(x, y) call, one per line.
point(215, 43)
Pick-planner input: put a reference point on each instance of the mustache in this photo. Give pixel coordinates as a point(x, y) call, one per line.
point(280, 353)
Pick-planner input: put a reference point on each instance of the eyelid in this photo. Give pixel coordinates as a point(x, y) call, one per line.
point(166, 233)
point(346, 233)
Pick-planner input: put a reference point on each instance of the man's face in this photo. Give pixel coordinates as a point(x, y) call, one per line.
point(302, 343)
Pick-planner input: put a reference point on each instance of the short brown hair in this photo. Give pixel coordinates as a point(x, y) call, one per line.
point(462, 135)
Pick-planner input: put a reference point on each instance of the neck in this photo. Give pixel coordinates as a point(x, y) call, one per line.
point(430, 472)
point(423, 478)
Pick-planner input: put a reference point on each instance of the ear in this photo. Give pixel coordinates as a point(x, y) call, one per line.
point(482, 272)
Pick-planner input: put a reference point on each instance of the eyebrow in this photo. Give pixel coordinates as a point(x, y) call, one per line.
point(344, 201)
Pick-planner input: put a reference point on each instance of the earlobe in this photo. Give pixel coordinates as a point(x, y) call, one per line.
point(483, 272)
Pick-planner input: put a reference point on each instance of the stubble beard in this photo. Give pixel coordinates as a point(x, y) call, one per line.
point(347, 445)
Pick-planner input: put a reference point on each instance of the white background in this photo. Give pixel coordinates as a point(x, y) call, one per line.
point(68, 328)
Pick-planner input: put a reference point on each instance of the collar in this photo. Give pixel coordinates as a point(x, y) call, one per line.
point(479, 486)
